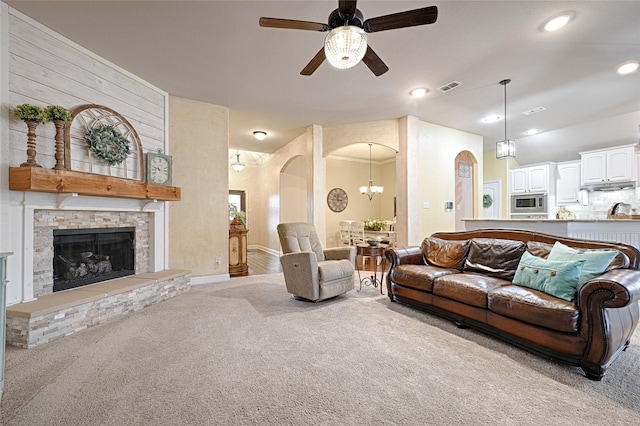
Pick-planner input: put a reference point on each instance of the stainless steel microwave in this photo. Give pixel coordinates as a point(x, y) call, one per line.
point(529, 203)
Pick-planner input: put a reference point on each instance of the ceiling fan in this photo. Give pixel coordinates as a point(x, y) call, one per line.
point(346, 44)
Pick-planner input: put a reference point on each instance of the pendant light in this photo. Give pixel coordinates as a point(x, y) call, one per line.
point(370, 190)
point(505, 148)
point(237, 166)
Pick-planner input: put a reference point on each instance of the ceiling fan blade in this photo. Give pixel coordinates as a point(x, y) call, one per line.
point(410, 18)
point(373, 61)
point(314, 63)
point(292, 24)
point(347, 7)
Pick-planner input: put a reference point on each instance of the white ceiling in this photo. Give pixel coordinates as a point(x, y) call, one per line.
point(215, 52)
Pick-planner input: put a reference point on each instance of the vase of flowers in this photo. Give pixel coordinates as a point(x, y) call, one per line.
point(32, 116)
point(239, 221)
point(373, 225)
point(59, 116)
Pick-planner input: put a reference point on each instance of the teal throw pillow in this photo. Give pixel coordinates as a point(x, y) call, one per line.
point(559, 279)
point(596, 261)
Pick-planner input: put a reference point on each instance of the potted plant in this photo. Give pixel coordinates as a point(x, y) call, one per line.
point(32, 116)
point(59, 115)
point(373, 225)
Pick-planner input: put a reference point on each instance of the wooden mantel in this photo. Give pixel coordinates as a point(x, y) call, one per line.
point(39, 179)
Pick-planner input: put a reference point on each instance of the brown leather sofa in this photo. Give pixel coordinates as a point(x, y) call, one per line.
point(467, 278)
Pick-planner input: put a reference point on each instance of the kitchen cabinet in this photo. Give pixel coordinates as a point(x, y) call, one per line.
point(568, 183)
point(529, 179)
point(608, 165)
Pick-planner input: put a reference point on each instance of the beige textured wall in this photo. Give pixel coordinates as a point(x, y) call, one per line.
point(198, 225)
point(438, 148)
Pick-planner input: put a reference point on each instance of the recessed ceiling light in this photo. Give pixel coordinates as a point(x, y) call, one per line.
point(419, 92)
point(628, 67)
point(531, 132)
point(491, 118)
point(260, 135)
point(558, 21)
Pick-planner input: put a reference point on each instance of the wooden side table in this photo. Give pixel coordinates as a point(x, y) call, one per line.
point(375, 252)
point(238, 265)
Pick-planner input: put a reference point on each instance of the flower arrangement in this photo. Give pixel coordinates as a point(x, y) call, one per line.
point(239, 220)
point(107, 143)
point(56, 112)
point(28, 112)
point(373, 225)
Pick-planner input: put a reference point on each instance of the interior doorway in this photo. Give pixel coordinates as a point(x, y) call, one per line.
point(465, 171)
point(491, 206)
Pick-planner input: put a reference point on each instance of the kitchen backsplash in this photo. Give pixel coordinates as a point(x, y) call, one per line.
point(601, 201)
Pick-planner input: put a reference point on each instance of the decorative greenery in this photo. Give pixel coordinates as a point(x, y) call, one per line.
point(28, 112)
point(107, 143)
point(239, 219)
point(56, 112)
point(487, 201)
point(373, 225)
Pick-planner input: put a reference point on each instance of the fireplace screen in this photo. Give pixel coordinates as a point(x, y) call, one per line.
point(87, 256)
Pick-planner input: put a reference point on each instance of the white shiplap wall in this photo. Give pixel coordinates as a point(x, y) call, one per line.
point(41, 67)
point(46, 69)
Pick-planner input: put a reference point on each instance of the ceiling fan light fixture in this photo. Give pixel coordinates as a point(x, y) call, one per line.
point(260, 135)
point(345, 46)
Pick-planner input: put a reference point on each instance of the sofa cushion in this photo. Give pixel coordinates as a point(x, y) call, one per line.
point(469, 288)
point(330, 270)
point(539, 249)
point(596, 261)
point(534, 307)
point(494, 257)
point(419, 277)
point(445, 253)
point(559, 279)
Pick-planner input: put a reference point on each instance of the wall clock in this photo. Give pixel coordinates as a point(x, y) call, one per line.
point(159, 168)
point(337, 199)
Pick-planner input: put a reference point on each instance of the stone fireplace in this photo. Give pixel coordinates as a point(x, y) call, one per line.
point(86, 227)
point(86, 256)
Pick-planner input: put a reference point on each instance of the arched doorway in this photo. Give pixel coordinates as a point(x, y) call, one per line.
point(465, 177)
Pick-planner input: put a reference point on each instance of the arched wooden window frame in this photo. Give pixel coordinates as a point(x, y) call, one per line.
point(87, 116)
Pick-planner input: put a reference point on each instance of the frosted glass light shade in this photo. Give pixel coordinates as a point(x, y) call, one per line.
point(345, 46)
point(506, 149)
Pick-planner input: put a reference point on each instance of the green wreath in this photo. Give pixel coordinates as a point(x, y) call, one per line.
point(487, 200)
point(107, 143)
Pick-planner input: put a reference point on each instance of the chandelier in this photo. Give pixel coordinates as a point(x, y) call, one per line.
point(370, 190)
point(345, 46)
point(237, 166)
point(505, 148)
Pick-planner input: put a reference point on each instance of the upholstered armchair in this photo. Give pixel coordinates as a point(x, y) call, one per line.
point(311, 272)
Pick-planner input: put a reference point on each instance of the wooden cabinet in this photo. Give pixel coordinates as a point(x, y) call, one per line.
point(608, 166)
point(238, 252)
point(568, 183)
point(3, 312)
point(529, 179)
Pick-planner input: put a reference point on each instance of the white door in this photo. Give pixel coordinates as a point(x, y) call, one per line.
point(492, 188)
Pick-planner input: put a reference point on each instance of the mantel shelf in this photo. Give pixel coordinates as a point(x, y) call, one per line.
point(38, 179)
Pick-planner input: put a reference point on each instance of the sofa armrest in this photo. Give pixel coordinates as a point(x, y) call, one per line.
point(339, 253)
point(608, 314)
point(301, 274)
point(404, 256)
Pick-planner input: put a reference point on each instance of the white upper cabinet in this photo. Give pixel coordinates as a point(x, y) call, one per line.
point(608, 166)
point(568, 189)
point(529, 179)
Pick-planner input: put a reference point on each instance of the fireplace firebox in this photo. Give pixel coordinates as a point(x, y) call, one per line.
point(87, 256)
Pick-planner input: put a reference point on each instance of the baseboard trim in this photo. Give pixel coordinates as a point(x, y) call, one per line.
point(265, 249)
point(210, 279)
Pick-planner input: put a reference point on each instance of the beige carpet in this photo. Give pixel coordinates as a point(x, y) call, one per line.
point(244, 352)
